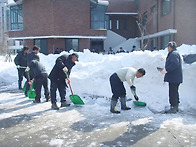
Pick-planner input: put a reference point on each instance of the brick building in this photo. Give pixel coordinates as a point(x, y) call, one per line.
point(100, 24)
point(172, 20)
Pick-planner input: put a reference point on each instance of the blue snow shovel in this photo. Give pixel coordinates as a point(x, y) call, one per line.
point(74, 98)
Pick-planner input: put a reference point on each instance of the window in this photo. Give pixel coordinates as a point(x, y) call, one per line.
point(153, 9)
point(98, 17)
point(107, 22)
point(144, 18)
point(110, 24)
point(165, 40)
point(153, 44)
point(72, 44)
point(117, 24)
point(16, 16)
point(43, 44)
point(166, 7)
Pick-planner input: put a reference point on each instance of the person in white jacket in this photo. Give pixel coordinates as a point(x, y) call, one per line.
point(127, 74)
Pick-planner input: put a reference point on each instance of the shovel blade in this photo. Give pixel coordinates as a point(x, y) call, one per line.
point(31, 94)
point(76, 100)
point(139, 103)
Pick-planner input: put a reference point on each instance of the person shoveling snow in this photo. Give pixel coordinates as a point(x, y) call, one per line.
point(127, 74)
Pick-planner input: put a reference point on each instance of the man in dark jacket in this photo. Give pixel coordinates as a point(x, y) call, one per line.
point(40, 77)
point(21, 60)
point(57, 77)
point(173, 75)
point(31, 56)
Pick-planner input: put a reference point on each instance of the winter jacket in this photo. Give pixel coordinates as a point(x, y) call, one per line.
point(36, 68)
point(21, 59)
point(57, 74)
point(127, 74)
point(173, 67)
point(32, 56)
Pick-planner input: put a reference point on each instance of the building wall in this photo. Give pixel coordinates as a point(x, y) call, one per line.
point(84, 44)
point(127, 25)
point(185, 22)
point(56, 18)
point(181, 18)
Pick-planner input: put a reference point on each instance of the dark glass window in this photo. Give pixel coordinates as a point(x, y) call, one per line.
point(144, 18)
point(72, 44)
point(125, 24)
point(43, 44)
point(165, 40)
point(16, 17)
point(166, 7)
point(98, 17)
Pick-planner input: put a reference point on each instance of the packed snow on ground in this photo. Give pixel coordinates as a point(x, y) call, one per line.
point(90, 80)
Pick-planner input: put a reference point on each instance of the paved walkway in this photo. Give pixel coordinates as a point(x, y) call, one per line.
point(23, 123)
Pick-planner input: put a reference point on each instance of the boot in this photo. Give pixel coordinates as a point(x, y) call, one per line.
point(54, 106)
point(64, 104)
point(47, 99)
point(173, 109)
point(123, 104)
point(113, 107)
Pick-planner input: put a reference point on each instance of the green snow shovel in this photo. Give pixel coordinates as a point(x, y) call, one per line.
point(139, 103)
point(74, 98)
point(31, 93)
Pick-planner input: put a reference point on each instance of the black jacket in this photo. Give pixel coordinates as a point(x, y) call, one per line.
point(57, 74)
point(173, 67)
point(36, 68)
point(32, 56)
point(21, 59)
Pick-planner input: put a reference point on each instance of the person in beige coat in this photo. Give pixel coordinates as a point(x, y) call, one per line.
point(127, 74)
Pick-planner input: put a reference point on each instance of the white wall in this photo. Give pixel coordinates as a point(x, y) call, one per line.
point(127, 45)
point(113, 39)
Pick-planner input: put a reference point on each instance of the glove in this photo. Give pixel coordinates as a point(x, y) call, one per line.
point(18, 66)
point(27, 69)
point(133, 89)
point(65, 69)
point(136, 97)
point(163, 71)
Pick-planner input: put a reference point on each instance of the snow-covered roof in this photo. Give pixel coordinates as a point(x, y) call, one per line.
point(120, 13)
point(45, 37)
point(162, 33)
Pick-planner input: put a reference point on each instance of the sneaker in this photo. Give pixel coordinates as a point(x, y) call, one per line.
point(114, 111)
point(54, 106)
point(172, 110)
point(125, 108)
point(65, 104)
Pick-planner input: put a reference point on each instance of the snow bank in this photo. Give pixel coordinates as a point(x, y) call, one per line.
point(91, 75)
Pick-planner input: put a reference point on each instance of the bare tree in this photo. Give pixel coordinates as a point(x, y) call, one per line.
point(142, 22)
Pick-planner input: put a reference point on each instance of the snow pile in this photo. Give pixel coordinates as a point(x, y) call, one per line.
point(91, 75)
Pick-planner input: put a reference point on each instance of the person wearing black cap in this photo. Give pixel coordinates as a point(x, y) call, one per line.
point(173, 75)
point(21, 60)
point(127, 74)
point(58, 78)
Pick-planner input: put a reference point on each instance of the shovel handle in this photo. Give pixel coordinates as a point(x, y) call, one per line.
point(29, 79)
point(69, 83)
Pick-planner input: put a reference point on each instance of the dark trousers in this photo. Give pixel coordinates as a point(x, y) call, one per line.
point(61, 86)
point(21, 73)
point(41, 80)
point(117, 87)
point(173, 94)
